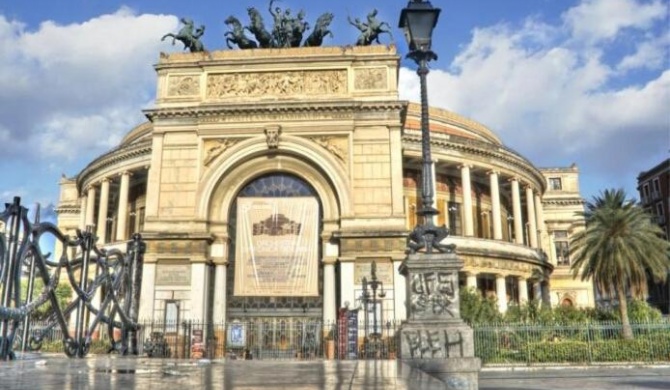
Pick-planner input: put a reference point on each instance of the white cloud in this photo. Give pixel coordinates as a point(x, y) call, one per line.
point(596, 20)
point(79, 84)
point(552, 99)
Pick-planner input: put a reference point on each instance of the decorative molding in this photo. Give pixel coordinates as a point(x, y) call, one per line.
point(286, 84)
point(213, 149)
point(123, 153)
point(179, 86)
point(370, 78)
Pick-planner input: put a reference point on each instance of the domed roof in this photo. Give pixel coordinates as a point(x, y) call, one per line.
point(447, 122)
point(138, 133)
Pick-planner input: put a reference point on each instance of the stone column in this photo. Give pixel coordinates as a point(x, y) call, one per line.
point(101, 230)
point(329, 305)
point(516, 211)
point(434, 338)
point(495, 206)
point(122, 212)
point(90, 206)
point(523, 290)
point(532, 225)
point(537, 291)
point(82, 212)
point(147, 295)
point(501, 293)
point(471, 280)
point(199, 282)
point(220, 280)
point(399, 292)
point(467, 201)
point(347, 283)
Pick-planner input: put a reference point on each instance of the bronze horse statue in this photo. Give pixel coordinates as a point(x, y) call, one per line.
point(187, 36)
point(320, 30)
point(257, 28)
point(236, 36)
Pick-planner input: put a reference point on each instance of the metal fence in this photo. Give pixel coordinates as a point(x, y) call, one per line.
point(590, 343)
point(495, 344)
point(266, 340)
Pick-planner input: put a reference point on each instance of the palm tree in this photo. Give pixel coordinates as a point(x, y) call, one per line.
point(618, 248)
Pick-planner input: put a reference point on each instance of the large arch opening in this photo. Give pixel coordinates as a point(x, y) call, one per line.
point(275, 276)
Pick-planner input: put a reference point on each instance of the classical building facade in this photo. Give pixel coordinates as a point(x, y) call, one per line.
point(267, 181)
point(654, 189)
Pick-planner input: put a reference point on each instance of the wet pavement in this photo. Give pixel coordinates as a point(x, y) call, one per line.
point(113, 372)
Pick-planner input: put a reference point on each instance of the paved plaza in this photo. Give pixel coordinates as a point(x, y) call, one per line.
point(104, 372)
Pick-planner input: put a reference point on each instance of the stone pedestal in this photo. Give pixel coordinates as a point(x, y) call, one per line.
point(434, 338)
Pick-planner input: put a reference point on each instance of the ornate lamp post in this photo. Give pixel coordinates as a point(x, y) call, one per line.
point(372, 340)
point(434, 338)
point(418, 21)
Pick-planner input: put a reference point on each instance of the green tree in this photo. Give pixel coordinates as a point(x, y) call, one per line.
point(618, 248)
point(475, 309)
point(63, 295)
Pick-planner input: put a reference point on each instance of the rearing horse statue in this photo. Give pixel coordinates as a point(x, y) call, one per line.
point(320, 30)
point(257, 28)
point(187, 36)
point(236, 36)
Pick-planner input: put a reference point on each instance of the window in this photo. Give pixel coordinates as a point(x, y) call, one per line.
point(645, 193)
point(656, 192)
point(454, 210)
point(562, 247)
point(555, 183)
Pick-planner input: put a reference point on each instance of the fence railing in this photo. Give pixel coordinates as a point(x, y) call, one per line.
point(273, 339)
point(590, 343)
point(495, 344)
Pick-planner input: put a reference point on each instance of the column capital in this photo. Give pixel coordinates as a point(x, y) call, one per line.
point(122, 173)
point(329, 260)
point(514, 179)
point(461, 166)
point(104, 180)
point(493, 172)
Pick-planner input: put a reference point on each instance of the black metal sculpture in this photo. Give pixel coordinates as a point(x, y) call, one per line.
point(188, 35)
point(371, 29)
point(117, 277)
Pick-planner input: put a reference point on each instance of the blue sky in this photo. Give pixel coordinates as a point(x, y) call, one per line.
point(561, 81)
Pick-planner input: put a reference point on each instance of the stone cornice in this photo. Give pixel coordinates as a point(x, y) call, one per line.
point(67, 209)
point(329, 109)
point(482, 149)
point(115, 156)
point(564, 202)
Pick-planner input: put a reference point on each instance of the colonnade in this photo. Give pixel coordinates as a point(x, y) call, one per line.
point(502, 296)
point(534, 213)
point(87, 216)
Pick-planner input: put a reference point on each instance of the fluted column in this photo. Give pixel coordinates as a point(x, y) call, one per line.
point(329, 306)
point(471, 280)
point(82, 212)
point(90, 206)
point(122, 212)
point(495, 206)
point(532, 224)
point(523, 290)
point(516, 211)
point(102, 211)
point(501, 293)
point(467, 201)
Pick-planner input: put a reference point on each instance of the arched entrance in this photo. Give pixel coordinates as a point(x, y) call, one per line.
point(274, 279)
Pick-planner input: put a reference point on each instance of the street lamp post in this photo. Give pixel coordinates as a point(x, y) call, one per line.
point(372, 340)
point(418, 21)
point(434, 337)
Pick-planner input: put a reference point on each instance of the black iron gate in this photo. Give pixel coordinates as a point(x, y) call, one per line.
point(110, 274)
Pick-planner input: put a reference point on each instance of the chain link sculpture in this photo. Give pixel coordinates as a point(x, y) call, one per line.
point(111, 275)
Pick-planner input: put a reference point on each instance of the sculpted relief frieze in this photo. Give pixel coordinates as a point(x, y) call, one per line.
point(214, 148)
point(337, 146)
point(276, 84)
point(179, 86)
point(370, 78)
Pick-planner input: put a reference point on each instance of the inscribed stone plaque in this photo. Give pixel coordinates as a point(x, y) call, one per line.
point(384, 272)
point(173, 275)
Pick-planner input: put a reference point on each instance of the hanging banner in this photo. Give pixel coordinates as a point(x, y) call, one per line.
point(277, 247)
